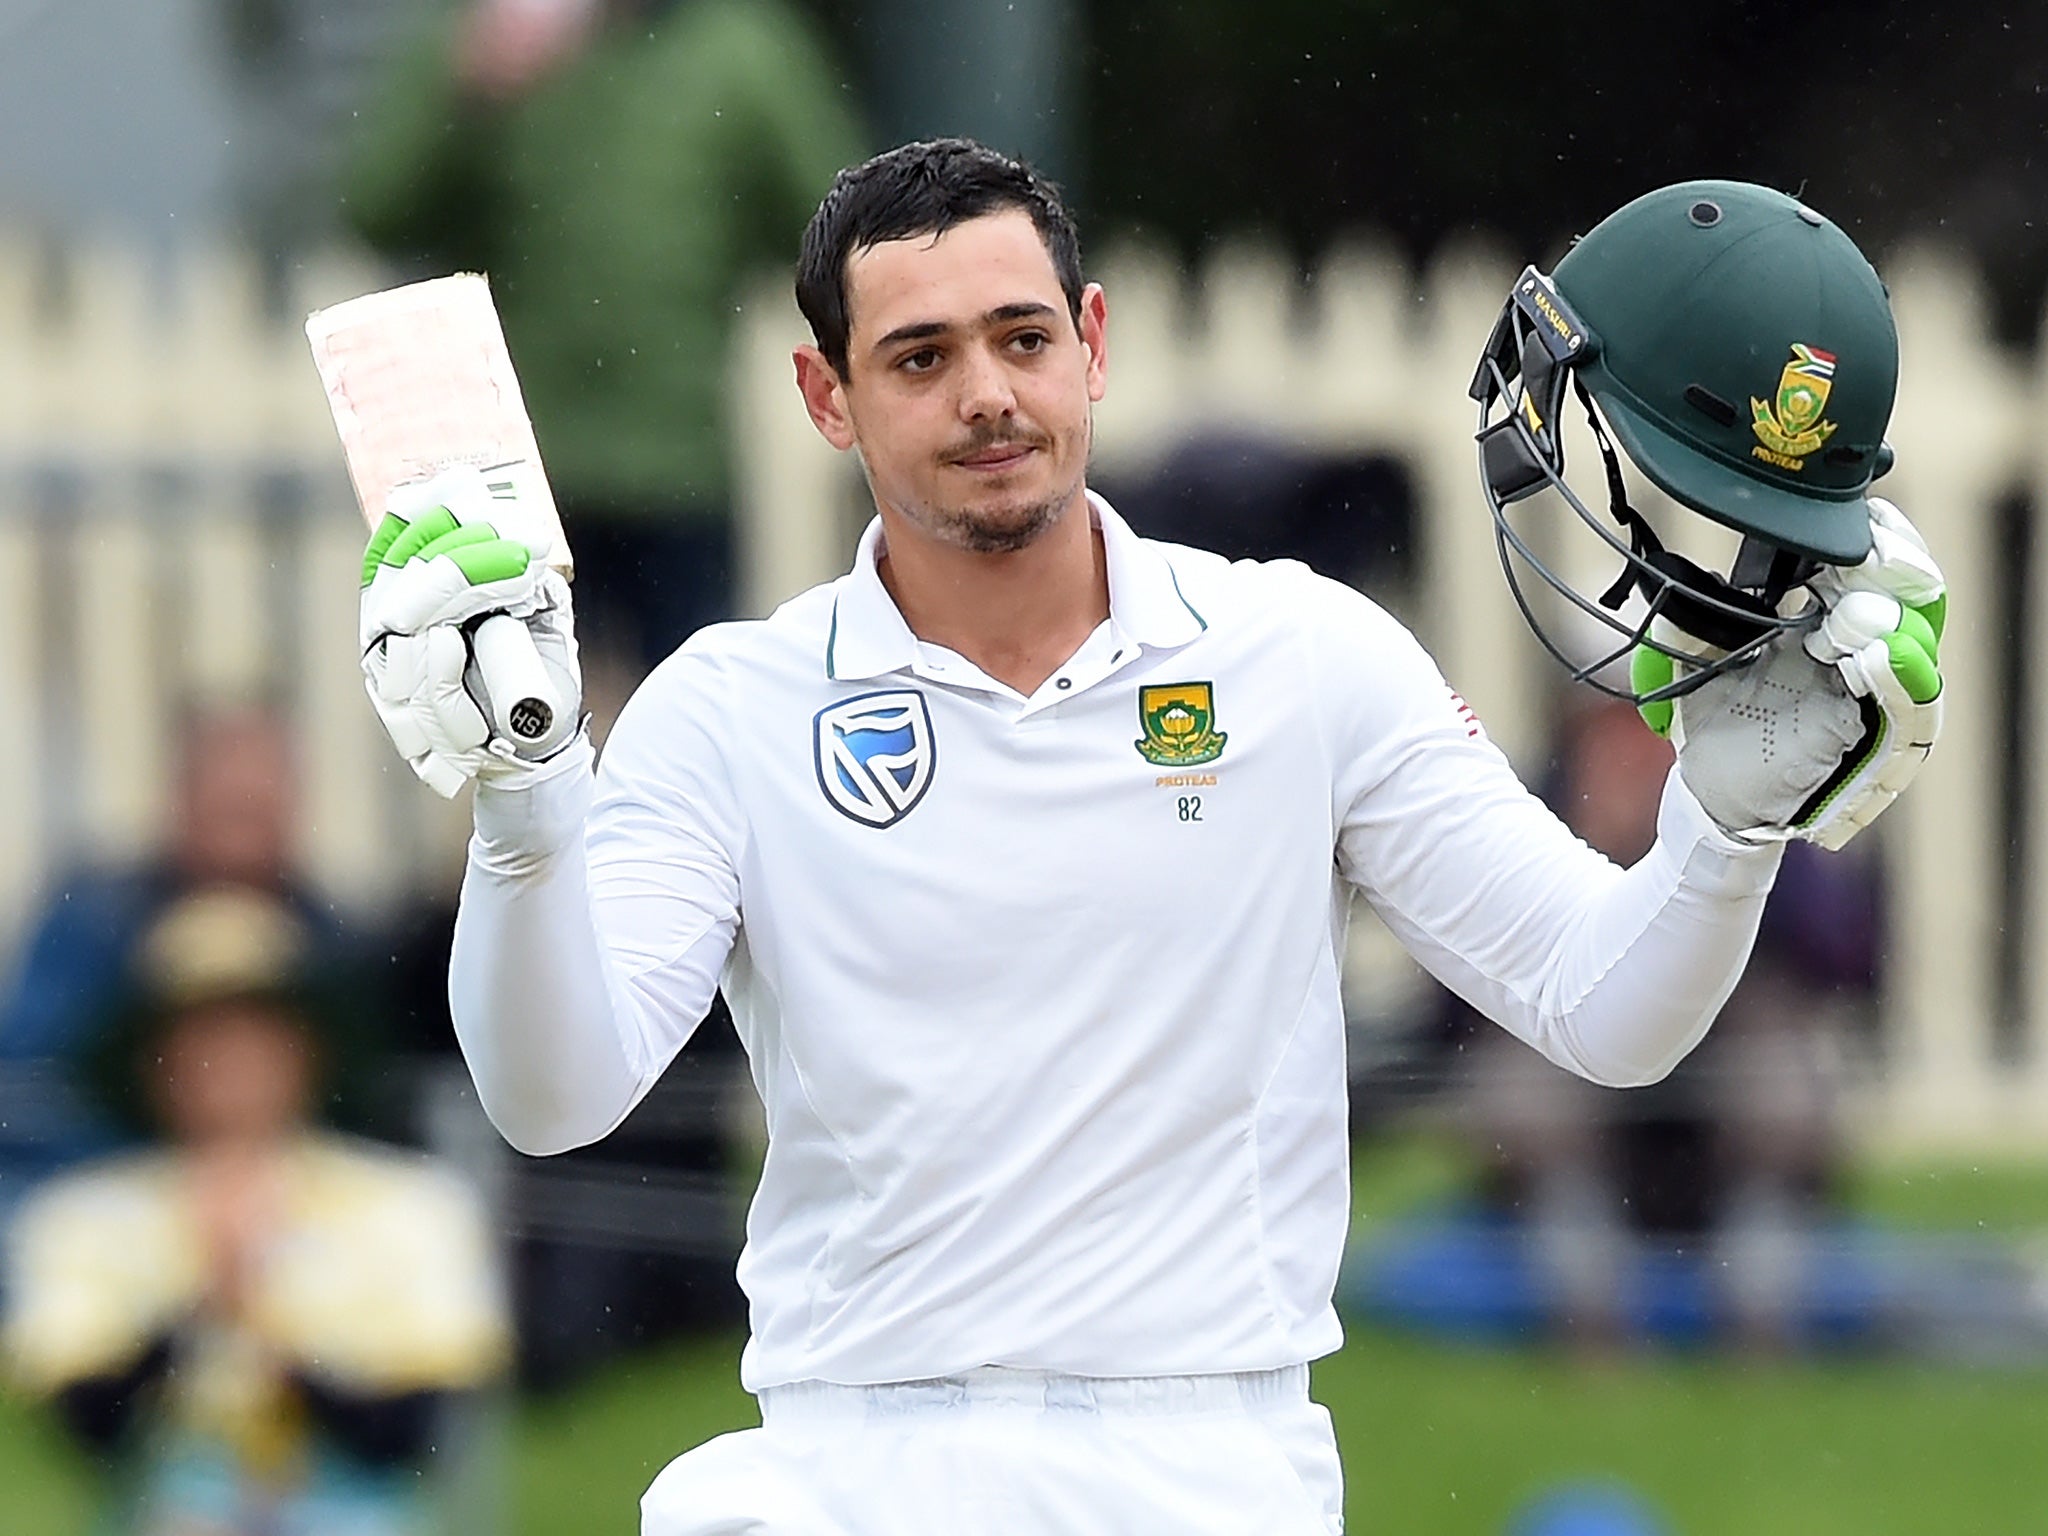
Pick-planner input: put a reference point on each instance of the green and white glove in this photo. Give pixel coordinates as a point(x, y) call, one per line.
point(448, 557)
point(1817, 736)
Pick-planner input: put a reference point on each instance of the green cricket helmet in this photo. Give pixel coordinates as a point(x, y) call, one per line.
point(1741, 351)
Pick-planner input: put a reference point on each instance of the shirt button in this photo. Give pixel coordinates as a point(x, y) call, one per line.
point(1066, 682)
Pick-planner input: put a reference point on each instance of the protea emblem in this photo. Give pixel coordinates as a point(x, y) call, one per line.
point(1179, 720)
point(1791, 426)
point(875, 755)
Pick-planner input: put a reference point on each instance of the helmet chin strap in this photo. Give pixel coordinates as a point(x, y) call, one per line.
point(1729, 617)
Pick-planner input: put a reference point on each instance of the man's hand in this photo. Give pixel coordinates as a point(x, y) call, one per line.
point(447, 556)
point(1817, 736)
point(237, 1205)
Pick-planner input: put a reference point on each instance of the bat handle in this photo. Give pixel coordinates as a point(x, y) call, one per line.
point(524, 702)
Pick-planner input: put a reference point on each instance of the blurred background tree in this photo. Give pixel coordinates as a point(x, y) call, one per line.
point(1430, 121)
point(1191, 119)
point(1182, 118)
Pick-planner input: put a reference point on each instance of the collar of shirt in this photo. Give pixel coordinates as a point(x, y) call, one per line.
point(868, 637)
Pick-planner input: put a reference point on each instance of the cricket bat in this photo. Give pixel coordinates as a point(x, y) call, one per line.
point(419, 380)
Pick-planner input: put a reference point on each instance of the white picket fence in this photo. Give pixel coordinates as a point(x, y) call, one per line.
point(175, 523)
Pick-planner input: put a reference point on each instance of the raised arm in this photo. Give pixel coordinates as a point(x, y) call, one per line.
point(597, 909)
point(596, 919)
point(1614, 974)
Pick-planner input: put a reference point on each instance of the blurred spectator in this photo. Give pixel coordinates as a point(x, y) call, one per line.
point(619, 168)
point(233, 810)
point(1732, 1156)
point(259, 1324)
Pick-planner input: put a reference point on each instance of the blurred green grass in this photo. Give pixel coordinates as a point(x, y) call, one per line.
point(1437, 1441)
point(1450, 1441)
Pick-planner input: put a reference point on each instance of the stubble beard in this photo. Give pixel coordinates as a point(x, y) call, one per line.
point(1005, 531)
point(1000, 532)
point(996, 531)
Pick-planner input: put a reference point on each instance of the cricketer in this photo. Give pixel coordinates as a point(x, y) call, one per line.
point(1023, 850)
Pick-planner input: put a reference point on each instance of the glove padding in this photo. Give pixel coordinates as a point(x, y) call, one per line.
point(447, 556)
point(1817, 736)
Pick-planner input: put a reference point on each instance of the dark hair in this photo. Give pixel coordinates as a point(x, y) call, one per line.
point(921, 189)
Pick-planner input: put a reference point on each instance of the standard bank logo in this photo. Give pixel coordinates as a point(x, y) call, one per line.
point(875, 754)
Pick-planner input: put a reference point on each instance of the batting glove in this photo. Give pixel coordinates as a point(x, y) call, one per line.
point(448, 555)
point(1817, 736)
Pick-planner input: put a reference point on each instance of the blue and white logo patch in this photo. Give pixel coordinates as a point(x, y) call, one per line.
point(875, 754)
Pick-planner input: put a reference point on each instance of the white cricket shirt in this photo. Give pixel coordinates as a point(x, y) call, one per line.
point(1041, 994)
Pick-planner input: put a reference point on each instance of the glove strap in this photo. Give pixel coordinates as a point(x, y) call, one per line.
point(1851, 764)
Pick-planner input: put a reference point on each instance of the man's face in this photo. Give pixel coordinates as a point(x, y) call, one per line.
point(233, 820)
point(968, 386)
point(232, 1072)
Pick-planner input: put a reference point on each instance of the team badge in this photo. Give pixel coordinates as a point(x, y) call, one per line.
point(1179, 720)
point(875, 755)
point(1791, 427)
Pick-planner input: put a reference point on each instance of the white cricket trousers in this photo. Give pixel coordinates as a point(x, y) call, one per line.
point(1016, 1453)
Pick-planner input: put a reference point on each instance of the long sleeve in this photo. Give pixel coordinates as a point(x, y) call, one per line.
point(1614, 974)
point(596, 917)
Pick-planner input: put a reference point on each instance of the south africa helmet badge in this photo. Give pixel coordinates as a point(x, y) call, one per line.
point(1790, 427)
point(1179, 720)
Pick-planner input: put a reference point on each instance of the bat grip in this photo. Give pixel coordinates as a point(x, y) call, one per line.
point(524, 706)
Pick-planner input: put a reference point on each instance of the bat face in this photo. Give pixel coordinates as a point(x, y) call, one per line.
point(419, 380)
point(420, 383)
